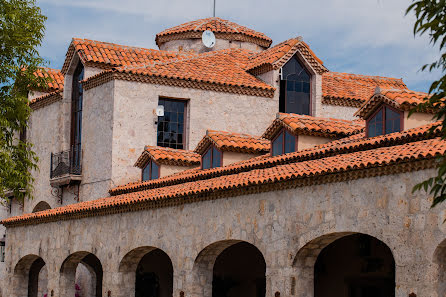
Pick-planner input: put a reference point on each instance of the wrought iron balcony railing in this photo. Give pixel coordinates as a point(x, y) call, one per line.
point(66, 163)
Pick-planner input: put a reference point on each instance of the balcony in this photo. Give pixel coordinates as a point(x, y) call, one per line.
point(66, 167)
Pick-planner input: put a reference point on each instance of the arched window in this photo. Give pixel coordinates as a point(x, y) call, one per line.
point(295, 88)
point(212, 158)
point(384, 121)
point(283, 143)
point(151, 171)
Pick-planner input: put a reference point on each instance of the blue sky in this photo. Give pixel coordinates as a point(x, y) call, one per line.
point(371, 37)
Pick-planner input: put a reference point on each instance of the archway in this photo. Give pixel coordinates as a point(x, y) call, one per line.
point(148, 272)
point(30, 277)
point(41, 206)
point(345, 265)
point(81, 274)
point(231, 268)
point(440, 261)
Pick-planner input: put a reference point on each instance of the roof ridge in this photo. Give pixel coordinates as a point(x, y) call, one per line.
point(235, 133)
point(295, 115)
point(364, 75)
point(120, 45)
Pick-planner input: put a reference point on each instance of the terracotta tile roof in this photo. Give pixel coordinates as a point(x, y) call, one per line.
point(380, 161)
point(55, 78)
point(45, 100)
point(221, 71)
point(308, 125)
point(107, 55)
point(168, 156)
point(353, 89)
point(400, 99)
point(354, 143)
point(274, 58)
point(221, 28)
point(233, 142)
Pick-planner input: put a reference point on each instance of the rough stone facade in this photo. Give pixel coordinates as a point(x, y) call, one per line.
point(289, 227)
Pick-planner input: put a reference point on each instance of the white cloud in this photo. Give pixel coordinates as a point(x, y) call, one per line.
point(366, 36)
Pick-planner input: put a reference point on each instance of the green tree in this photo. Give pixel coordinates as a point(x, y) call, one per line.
point(21, 33)
point(431, 20)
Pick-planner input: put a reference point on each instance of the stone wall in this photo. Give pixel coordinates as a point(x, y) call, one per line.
point(46, 136)
point(289, 227)
point(196, 45)
point(134, 119)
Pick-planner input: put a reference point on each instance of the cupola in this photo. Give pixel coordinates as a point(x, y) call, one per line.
point(188, 37)
point(294, 132)
point(156, 162)
point(220, 148)
point(387, 111)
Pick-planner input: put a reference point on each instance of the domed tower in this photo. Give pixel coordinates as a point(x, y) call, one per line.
point(188, 37)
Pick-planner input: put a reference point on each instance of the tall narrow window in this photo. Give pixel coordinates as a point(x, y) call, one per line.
point(151, 171)
point(76, 116)
point(384, 121)
point(212, 158)
point(295, 88)
point(171, 126)
point(284, 143)
point(2, 250)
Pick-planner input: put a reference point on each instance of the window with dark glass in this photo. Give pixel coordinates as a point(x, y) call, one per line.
point(283, 143)
point(295, 88)
point(212, 158)
point(76, 115)
point(151, 171)
point(2, 251)
point(171, 126)
point(384, 121)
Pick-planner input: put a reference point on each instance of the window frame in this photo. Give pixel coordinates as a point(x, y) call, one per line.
point(382, 108)
point(149, 163)
point(211, 147)
point(185, 119)
point(282, 132)
point(285, 85)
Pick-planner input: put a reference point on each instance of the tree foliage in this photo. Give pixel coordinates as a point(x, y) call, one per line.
point(431, 20)
point(21, 33)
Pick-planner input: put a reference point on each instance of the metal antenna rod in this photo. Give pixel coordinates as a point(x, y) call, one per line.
point(214, 8)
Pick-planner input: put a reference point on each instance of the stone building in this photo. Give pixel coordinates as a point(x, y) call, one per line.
point(243, 169)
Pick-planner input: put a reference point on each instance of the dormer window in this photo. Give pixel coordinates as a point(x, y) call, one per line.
point(384, 121)
point(212, 158)
point(295, 88)
point(283, 143)
point(151, 171)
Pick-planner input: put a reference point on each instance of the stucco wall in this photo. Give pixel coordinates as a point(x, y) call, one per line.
point(197, 45)
point(233, 157)
point(417, 119)
point(166, 170)
point(134, 119)
point(289, 227)
point(307, 141)
point(337, 112)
